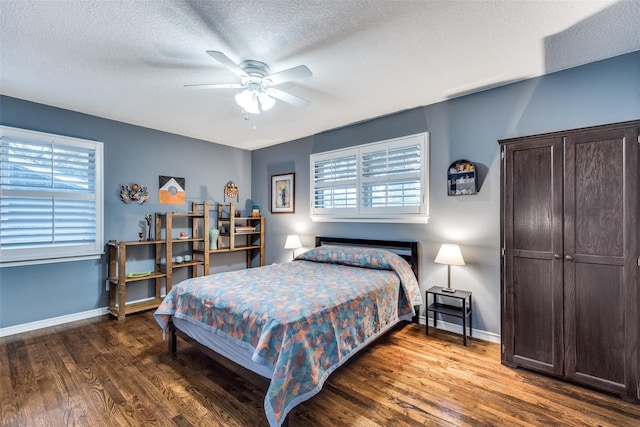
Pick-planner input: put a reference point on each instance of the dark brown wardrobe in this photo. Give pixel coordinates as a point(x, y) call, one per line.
point(570, 256)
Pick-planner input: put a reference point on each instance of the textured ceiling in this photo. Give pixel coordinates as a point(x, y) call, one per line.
point(129, 60)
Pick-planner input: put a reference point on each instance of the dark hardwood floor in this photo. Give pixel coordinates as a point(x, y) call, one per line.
point(102, 372)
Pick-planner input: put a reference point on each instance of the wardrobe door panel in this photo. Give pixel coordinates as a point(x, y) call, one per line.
point(598, 180)
point(599, 327)
point(532, 199)
point(533, 311)
point(532, 285)
point(600, 271)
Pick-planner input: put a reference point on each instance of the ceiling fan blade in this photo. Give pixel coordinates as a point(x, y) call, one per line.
point(295, 73)
point(224, 60)
point(217, 86)
point(287, 97)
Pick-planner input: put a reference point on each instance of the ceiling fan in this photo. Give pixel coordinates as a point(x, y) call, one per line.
point(259, 93)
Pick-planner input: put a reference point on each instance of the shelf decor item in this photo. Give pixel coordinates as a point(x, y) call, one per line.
point(283, 193)
point(214, 233)
point(462, 178)
point(147, 218)
point(139, 274)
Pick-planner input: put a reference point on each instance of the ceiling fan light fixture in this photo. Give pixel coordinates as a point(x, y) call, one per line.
point(248, 100)
point(252, 107)
point(256, 80)
point(242, 97)
point(266, 102)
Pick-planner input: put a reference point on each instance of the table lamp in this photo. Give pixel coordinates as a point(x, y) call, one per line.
point(293, 243)
point(449, 254)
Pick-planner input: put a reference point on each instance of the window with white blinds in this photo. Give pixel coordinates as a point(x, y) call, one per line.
point(50, 198)
point(382, 181)
point(336, 181)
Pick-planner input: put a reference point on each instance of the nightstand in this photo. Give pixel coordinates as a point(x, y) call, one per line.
point(459, 306)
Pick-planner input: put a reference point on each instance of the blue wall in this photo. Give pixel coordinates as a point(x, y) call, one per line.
point(132, 155)
point(467, 127)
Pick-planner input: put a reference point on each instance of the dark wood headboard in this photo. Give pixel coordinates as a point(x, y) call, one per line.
point(407, 250)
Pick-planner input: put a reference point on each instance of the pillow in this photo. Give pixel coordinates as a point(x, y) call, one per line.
point(379, 259)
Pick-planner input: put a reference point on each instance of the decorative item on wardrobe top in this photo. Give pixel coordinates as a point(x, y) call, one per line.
point(462, 178)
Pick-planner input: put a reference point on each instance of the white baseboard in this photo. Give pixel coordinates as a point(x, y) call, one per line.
point(54, 321)
point(452, 327)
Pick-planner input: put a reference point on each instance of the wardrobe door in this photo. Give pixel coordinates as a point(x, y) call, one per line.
point(532, 263)
point(601, 259)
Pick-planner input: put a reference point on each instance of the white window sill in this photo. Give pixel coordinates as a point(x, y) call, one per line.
point(395, 220)
point(49, 260)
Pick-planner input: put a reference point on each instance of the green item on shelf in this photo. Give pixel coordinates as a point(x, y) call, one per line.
point(139, 274)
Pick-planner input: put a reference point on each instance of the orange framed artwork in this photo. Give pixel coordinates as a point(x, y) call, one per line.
point(171, 190)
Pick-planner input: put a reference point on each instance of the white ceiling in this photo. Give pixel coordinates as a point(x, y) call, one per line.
point(129, 60)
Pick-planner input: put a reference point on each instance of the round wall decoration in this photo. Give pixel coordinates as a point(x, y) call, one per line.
point(231, 190)
point(134, 193)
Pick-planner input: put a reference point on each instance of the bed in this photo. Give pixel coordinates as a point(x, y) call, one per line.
point(295, 323)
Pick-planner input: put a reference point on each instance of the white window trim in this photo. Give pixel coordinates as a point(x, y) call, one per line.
point(22, 257)
point(360, 214)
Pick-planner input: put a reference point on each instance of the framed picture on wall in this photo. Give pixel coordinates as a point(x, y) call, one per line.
point(283, 193)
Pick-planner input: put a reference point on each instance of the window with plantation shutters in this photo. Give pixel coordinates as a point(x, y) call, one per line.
point(336, 180)
point(50, 198)
point(386, 181)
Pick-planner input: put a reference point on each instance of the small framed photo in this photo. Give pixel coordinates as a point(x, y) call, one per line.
point(283, 193)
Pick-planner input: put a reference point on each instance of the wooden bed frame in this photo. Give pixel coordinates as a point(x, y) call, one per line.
point(407, 250)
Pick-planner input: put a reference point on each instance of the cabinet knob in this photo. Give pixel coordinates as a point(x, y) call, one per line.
point(568, 257)
point(557, 256)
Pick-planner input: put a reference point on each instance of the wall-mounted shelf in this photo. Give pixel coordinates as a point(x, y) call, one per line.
point(462, 178)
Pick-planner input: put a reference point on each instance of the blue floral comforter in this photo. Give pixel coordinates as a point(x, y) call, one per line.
point(302, 319)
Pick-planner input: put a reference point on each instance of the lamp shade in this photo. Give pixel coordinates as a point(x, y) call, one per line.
point(449, 254)
point(292, 242)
